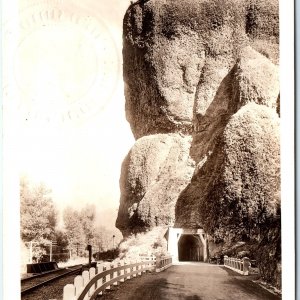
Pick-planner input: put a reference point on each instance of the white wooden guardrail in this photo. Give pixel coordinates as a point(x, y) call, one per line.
point(95, 281)
point(163, 263)
point(238, 265)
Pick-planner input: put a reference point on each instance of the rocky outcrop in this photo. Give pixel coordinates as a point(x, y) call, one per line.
point(256, 79)
point(202, 98)
point(176, 53)
point(239, 182)
point(154, 174)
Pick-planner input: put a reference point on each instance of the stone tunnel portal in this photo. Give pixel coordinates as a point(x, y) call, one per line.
point(186, 244)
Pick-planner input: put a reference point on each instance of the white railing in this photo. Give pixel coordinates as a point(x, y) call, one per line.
point(238, 265)
point(95, 281)
point(163, 263)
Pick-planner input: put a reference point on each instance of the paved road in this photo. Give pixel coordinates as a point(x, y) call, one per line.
point(192, 281)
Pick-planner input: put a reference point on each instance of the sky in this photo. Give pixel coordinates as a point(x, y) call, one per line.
point(65, 87)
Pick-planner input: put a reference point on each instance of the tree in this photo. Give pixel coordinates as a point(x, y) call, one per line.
point(60, 248)
point(87, 218)
point(61, 238)
point(74, 231)
point(82, 231)
point(38, 215)
point(99, 241)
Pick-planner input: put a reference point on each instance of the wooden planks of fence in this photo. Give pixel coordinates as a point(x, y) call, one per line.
point(95, 281)
point(240, 266)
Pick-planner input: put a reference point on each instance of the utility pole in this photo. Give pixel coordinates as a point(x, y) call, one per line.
point(30, 252)
point(99, 251)
point(51, 251)
point(89, 248)
point(31, 243)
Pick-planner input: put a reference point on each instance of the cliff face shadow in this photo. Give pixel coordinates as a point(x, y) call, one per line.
point(206, 151)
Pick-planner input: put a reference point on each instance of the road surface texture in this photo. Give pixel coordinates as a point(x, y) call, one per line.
point(191, 281)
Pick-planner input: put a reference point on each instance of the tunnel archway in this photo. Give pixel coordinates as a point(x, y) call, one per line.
point(190, 248)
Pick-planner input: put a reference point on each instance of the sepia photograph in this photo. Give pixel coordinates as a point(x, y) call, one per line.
point(146, 150)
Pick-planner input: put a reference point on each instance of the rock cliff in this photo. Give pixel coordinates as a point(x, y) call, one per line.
point(154, 173)
point(202, 98)
point(176, 54)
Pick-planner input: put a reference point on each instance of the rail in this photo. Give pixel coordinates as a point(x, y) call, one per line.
point(95, 281)
point(240, 266)
point(27, 288)
point(163, 263)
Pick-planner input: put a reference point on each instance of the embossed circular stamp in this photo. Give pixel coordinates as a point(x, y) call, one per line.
point(61, 63)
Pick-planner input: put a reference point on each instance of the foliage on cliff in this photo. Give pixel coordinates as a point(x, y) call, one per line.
point(176, 53)
point(245, 193)
point(154, 173)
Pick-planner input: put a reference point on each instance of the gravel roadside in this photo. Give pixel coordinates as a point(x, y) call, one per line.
point(50, 291)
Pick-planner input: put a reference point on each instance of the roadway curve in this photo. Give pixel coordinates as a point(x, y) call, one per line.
point(191, 281)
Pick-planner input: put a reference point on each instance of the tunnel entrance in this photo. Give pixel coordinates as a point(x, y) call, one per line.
point(187, 244)
point(190, 248)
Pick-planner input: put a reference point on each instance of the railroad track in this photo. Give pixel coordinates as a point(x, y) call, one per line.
point(30, 284)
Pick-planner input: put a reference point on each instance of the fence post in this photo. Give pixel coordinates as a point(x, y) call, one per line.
point(225, 260)
point(143, 266)
point(122, 271)
point(125, 270)
point(107, 277)
point(157, 264)
point(154, 262)
point(78, 282)
point(69, 292)
point(128, 271)
point(100, 281)
point(134, 269)
point(86, 279)
point(242, 265)
point(115, 273)
point(246, 265)
point(140, 268)
point(92, 275)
